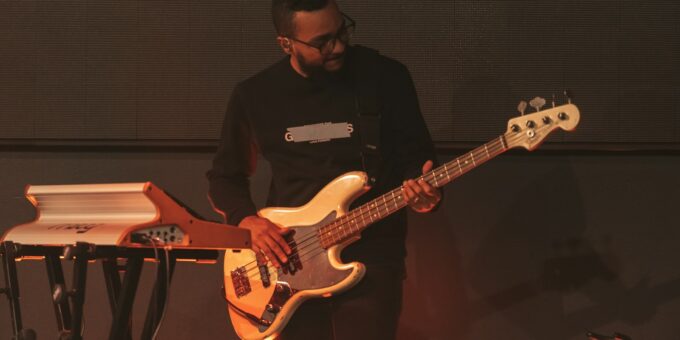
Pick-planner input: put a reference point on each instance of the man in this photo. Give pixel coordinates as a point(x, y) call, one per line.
point(303, 114)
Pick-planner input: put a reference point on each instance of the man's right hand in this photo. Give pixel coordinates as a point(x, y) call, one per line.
point(267, 238)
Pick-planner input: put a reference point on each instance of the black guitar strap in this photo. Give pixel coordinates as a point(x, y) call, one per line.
point(368, 108)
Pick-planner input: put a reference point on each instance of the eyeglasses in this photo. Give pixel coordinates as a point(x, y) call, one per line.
point(327, 45)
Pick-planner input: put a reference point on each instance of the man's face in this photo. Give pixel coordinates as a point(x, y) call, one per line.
point(315, 28)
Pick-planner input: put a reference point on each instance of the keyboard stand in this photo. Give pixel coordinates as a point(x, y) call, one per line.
point(121, 293)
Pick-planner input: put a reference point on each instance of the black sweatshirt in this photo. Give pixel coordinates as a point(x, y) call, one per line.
point(307, 130)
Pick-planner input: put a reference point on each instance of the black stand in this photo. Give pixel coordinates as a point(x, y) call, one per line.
point(55, 275)
point(121, 295)
point(157, 302)
point(9, 252)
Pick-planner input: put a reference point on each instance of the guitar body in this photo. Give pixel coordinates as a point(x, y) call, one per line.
point(316, 272)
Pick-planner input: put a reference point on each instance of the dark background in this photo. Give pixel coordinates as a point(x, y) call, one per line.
point(578, 235)
point(162, 70)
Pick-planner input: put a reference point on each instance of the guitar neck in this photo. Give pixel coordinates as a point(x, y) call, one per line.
point(361, 217)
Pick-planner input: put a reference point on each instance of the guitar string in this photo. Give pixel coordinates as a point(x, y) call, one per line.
point(498, 145)
point(376, 209)
point(382, 208)
point(386, 210)
point(429, 176)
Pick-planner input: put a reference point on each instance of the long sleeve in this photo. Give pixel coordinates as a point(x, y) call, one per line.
point(234, 162)
point(411, 136)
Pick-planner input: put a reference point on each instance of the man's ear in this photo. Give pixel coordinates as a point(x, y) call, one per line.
point(285, 44)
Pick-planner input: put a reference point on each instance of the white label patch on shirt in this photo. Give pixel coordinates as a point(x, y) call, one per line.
point(321, 132)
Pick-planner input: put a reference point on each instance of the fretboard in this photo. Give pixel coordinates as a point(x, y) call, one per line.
point(361, 217)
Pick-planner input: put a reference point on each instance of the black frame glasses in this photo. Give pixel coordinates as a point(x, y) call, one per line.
point(343, 34)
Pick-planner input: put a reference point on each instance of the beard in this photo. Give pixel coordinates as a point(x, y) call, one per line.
point(319, 71)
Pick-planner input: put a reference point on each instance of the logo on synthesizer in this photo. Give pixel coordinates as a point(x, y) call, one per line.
point(79, 228)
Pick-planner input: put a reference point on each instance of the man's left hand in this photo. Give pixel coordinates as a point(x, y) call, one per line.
point(420, 195)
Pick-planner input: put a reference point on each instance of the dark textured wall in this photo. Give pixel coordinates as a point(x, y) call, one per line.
point(531, 246)
point(147, 70)
point(539, 245)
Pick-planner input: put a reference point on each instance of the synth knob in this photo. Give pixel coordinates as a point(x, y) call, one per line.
point(530, 124)
point(562, 116)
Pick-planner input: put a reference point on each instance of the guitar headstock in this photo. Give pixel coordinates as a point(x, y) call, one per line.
point(529, 131)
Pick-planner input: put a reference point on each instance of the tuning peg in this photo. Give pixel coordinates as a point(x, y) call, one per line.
point(522, 107)
point(553, 100)
point(569, 95)
point(537, 103)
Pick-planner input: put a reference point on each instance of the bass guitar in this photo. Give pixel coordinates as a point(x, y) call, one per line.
point(261, 298)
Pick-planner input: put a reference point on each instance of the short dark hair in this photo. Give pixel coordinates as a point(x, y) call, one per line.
point(284, 10)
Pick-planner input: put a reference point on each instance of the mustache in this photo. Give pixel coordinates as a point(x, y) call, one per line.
point(334, 57)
